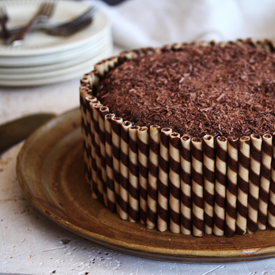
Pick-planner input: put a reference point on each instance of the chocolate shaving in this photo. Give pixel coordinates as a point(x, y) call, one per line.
point(197, 90)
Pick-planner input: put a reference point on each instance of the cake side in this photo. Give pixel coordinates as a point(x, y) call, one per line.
point(189, 184)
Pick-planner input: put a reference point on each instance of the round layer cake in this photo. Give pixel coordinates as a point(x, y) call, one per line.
point(181, 138)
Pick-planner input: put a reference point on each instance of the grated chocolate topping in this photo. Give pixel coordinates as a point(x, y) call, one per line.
point(218, 90)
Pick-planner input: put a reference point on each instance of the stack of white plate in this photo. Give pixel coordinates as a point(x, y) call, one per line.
point(45, 59)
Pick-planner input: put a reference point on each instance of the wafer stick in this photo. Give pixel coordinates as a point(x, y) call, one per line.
point(109, 163)
point(124, 171)
point(197, 187)
point(243, 183)
point(97, 150)
point(174, 182)
point(209, 181)
point(220, 186)
point(186, 203)
point(254, 182)
point(232, 189)
point(271, 205)
point(265, 180)
point(93, 160)
point(116, 137)
point(153, 176)
point(143, 165)
point(103, 110)
point(133, 175)
point(163, 180)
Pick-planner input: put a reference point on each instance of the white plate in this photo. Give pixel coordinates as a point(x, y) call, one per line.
point(56, 69)
point(37, 64)
point(69, 73)
point(39, 43)
point(53, 58)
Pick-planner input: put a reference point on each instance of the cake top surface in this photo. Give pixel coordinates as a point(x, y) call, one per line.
point(226, 90)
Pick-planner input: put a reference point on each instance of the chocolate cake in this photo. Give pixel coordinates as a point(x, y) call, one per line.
point(181, 138)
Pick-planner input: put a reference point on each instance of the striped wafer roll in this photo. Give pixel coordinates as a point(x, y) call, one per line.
point(133, 175)
point(174, 182)
point(103, 110)
point(116, 137)
point(232, 189)
point(124, 171)
point(265, 180)
point(163, 179)
point(143, 165)
point(254, 182)
point(271, 205)
point(109, 163)
point(209, 181)
point(197, 187)
point(93, 161)
point(152, 192)
point(243, 183)
point(97, 150)
point(220, 186)
point(186, 202)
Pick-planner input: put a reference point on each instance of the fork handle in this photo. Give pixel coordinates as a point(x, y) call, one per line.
point(21, 35)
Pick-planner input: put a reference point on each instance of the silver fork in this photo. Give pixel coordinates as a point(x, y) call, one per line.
point(44, 12)
point(3, 20)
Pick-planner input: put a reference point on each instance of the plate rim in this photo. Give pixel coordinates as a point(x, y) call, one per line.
point(183, 255)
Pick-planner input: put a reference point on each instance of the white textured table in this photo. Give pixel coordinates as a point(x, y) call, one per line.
point(32, 244)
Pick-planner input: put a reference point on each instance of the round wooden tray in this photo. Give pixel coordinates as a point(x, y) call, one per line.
point(50, 170)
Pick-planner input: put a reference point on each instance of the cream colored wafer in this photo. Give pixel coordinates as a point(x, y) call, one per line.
point(197, 187)
point(209, 181)
point(174, 182)
point(109, 163)
point(220, 186)
point(232, 189)
point(103, 110)
point(243, 183)
point(186, 202)
point(143, 161)
point(271, 205)
point(116, 138)
point(153, 176)
point(163, 180)
point(133, 175)
point(124, 171)
point(254, 182)
point(265, 180)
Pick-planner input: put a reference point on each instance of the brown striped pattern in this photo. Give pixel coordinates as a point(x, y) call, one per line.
point(174, 182)
point(265, 180)
point(163, 179)
point(209, 181)
point(124, 171)
point(97, 149)
point(186, 204)
point(243, 183)
point(103, 110)
point(197, 187)
point(254, 182)
point(116, 137)
point(220, 186)
point(231, 191)
point(143, 164)
point(271, 206)
point(133, 175)
point(109, 163)
point(93, 159)
point(152, 192)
